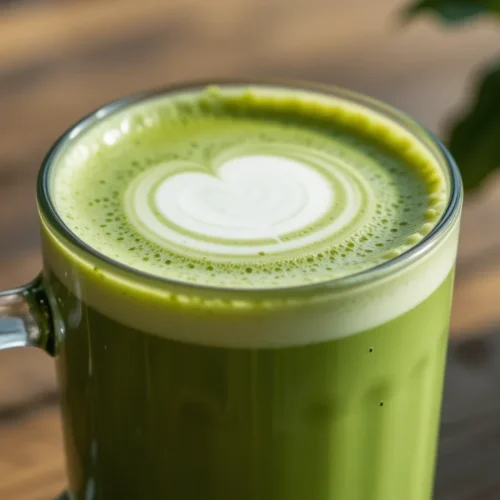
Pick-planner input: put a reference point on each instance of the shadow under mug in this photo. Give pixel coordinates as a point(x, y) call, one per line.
point(147, 415)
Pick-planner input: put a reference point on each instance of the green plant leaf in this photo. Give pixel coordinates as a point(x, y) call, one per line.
point(475, 139)
point(454, 11)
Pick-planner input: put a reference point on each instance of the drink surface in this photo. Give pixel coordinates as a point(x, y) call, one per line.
point(248, 187)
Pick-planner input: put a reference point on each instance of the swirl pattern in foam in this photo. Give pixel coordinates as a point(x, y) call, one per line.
point(249, 189)
point(245, 204)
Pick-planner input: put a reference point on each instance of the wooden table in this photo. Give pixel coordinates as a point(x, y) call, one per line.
point(59, 60)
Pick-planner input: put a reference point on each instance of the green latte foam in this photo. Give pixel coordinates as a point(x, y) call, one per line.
point(248, 187)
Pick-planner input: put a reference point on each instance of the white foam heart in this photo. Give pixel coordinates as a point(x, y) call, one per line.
point(249, 204)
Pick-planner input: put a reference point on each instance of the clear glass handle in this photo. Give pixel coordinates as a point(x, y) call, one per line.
point(25, 318)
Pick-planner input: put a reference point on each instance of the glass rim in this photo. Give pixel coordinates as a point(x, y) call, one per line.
point(428, 139)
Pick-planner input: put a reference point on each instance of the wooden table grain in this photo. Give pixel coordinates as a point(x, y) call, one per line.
point(59, 60)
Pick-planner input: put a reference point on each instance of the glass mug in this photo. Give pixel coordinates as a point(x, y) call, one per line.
point(148, 414)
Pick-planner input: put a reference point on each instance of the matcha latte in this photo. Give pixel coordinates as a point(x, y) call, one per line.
point(254, 290)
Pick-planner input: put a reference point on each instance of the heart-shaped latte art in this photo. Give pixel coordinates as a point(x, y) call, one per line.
point(274, 199)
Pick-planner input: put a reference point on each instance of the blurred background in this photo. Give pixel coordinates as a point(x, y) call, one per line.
point(61, 59)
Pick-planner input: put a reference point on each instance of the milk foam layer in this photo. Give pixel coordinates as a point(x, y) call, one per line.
point(387, 179)
point(249, 188)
